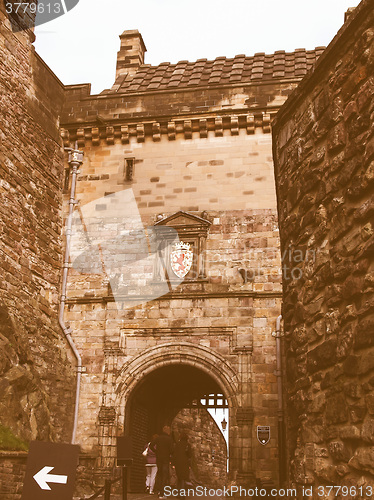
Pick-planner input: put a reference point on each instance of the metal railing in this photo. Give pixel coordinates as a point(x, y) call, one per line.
point(106, 489)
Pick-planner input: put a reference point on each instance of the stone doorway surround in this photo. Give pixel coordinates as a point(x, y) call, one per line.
point(209, 363)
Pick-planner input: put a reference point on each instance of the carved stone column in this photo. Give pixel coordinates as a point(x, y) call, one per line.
point(244, 421)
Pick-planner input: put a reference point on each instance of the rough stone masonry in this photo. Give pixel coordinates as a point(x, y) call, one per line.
point(36, 370)
point(324, 161)
point(35, 393)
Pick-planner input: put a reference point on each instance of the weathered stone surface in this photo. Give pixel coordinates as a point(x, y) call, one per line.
point(36, 376)
point(349, 432)
point(363, 460)
point(12, 473)
point(209, 453)
point(221, 322)
point(220, 319)
point(322, 356)
point(370, 403)
point(367, 431)
point(339, 451)
point(331, 216)
point(336, 410)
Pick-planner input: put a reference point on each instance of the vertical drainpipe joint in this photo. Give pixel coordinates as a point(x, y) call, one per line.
point(75, 160)
point(75, 157)
point(281, 432)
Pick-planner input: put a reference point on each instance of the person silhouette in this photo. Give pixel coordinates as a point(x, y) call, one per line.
point(162, 446)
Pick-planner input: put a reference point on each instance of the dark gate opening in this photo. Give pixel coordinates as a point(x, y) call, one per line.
point(156, 401)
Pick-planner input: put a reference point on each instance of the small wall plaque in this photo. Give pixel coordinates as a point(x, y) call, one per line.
point(263, 434)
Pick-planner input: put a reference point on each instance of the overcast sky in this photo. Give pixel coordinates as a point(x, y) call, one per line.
point(82, 45)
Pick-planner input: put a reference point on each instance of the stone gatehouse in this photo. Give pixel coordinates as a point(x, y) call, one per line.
point(177, 171)
point(184, 148)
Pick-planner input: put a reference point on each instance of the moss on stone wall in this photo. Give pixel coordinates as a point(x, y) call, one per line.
point(8, 441)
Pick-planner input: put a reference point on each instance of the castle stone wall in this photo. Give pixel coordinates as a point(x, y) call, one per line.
point(224, 313)
point(209, 449)
point(324, 157)
point(37, 379)
point(12, 474)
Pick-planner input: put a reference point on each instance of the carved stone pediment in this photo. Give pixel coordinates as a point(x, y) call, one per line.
point(186, 224)
point(192, 230)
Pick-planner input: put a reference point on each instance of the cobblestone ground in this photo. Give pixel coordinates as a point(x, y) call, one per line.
point(142, 496)
point(290, 494)
point(130, 496)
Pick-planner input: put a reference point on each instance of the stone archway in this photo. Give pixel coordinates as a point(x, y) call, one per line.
point(148, 390)
point(178, 352)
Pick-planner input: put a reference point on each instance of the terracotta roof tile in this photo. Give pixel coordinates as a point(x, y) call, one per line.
point(222, 70)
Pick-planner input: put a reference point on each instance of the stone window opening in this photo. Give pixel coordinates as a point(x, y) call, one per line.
point(66, 186)
point(129, 169)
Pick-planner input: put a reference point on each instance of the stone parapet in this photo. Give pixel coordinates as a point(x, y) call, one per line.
point(165, 105)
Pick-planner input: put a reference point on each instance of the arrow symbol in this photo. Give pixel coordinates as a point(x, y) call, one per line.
point(43, 477)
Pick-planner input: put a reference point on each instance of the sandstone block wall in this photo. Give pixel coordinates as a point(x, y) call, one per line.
point(12, 474)
point(324, 158)
point(216, 173)
point(223, 315)
point(229, 181)
point(35, 393)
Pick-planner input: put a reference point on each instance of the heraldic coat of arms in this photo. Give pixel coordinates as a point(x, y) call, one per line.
point(181, 259)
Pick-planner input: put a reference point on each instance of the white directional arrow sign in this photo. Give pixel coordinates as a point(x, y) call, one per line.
point(56, 480)
point(43, 477)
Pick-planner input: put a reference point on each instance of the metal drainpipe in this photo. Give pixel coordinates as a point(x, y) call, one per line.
point(281, 434)
point(75, 161)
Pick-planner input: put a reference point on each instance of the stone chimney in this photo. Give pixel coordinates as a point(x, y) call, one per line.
point(131, 53)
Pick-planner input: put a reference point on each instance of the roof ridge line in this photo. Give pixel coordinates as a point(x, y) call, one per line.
point(225, 58)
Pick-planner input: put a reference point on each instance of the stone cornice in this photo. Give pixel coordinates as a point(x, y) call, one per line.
point(117, 132)
point(175, 296)
point(13, 454)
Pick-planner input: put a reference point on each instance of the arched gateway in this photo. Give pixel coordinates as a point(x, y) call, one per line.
point(216, 323)
point(175, 353)
point(158, 383)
